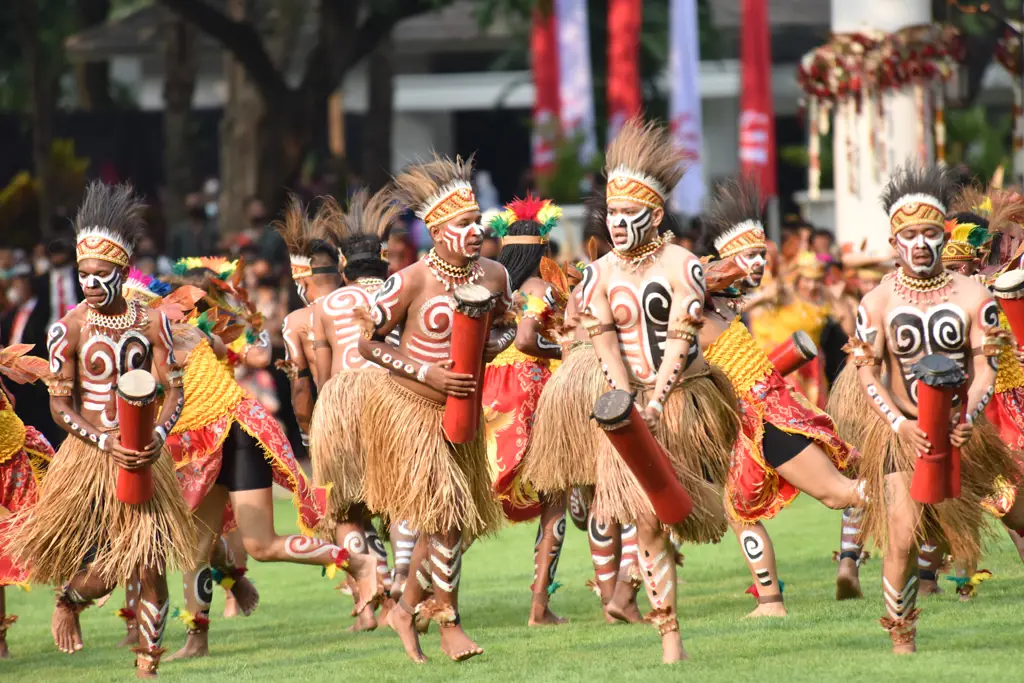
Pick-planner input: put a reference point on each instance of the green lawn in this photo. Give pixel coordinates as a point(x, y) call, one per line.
point(298, 633)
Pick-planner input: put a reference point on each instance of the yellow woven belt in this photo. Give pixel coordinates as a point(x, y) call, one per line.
point(1008, 375)
point(739, 357)
point(512, 355)
point(210, 390)
point(12, 434)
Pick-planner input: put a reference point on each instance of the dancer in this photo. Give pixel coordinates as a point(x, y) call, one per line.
point(786, 444)
point(343, 378)
point(412, 472)
point(230, 448)
point(921, 310)
point(24, 455)
point(642, 306)
point(563, 441)
point(79, 535)
point(515, 379)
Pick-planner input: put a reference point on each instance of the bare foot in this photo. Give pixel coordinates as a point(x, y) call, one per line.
point(457, 645)
point(365, 621)
point(67, 634)
point(905, 648)
point(364, 569)
point(622, 606)
point(672, 648)
point(541, 615)
point(848, 580)
point(131, 637)
point(196, 645)
point(401, 622)
point(768, 609)
point(245, 596)
point(929, 587)
point(231, 608)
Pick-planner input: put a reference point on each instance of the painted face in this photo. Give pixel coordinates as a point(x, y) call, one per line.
point(100, 281)
point(463, 236)
point(300, 287)
point(753, 262)
point(920, 248)
point(629, 224)
point(963, 267)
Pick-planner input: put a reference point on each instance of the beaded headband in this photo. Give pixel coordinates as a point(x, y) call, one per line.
point(746, 235)
point(454, 199)
point(100, 243)
point(300, 266)
point(624, 183)
point(916, 209)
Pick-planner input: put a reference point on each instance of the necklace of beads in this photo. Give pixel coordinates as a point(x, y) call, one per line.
point(452, 276)
point(370, 284)
point(125, 321)
point(918, 290)
point(637, 258)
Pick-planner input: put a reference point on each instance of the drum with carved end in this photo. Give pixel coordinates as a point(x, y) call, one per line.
point(136, 415)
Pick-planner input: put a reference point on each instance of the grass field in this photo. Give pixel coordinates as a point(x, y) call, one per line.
point(298, 633)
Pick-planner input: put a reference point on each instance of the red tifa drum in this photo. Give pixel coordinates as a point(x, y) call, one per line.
point(936, 474)
point(622, 423)
point(136, 415)
point(794, 353)
point(1009, 290)
point(473, 303)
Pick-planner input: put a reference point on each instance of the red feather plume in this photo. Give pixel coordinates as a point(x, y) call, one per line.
point(527, 209)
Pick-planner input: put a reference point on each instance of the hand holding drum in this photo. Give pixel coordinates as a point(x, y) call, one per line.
point(616, 414)
point(794, 353)
point(470, 319)
point(136, 415)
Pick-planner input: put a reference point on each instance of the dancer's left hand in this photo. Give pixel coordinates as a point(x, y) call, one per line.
point(651, 417)
point(961, 434)
point(1018, 353)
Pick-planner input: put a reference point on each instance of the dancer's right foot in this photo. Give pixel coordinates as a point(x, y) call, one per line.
point(622, 606)
point(848, 580)
point(67, 634)
point(402, 623)
point(245, 595)
point(672, 648)
point(196, 645)
point(364, 569)
point(541, 615)
point(365, 621)
point(457, 645)
point(928, 587)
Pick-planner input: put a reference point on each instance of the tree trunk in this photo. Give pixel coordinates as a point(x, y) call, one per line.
point(240, 149)
point(43, 93)
point(379, 117)
point(93, 77)
point(181, 68)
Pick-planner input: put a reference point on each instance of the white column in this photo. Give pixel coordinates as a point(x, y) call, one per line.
point(859, 213)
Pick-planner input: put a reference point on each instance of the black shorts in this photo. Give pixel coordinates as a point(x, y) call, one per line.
point(244, 468)
point(780, 447)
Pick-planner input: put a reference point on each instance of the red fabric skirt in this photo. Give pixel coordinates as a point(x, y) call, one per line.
point(198, 455)
point(509, 398)
point(756, 491)
point(1006, 413)
point(19, 487)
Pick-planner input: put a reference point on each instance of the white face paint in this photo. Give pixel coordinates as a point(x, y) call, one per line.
point(464, 239)
point(908, 244)
point(110, 284)
point(629, 229)
point(300, 286)
point(753, 263)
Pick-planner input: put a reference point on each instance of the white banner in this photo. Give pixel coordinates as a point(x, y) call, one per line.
point(575, 84)
point(685, 104)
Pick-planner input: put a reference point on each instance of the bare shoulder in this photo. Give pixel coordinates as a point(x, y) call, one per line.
point(297, 318)
point(878, 298)
point(971, 288)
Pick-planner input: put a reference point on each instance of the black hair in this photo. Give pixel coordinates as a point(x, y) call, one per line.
point(522, 260)
point(362, 257)
point(736, 201)
point(937, 181)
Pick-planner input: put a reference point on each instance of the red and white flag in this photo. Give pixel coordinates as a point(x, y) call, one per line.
point(544, 64)
point(625, 19)
point(757, 116)
point(685, 103)
point(575, 83)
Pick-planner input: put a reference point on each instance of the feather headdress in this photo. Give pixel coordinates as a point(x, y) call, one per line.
point(643, 164)
point(543, 212)
point(437, 190)
point(109, 223)
point(734, 222)
point(918, 196)
point(304, 236)
point(176, 304)
point(359, 231)
point(221, 267)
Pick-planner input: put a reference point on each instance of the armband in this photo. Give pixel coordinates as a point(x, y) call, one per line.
point(685, 328)
point(598, 329)
point(862, 353)
point(305, 373)
point(60, 387)
point(175, 379)
point(993, 340)
point(657, 406)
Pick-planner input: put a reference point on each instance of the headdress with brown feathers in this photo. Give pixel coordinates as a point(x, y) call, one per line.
point(643, 164)
point(360, 230)
point(305, 237)
point(437, 190)
point(734, 222)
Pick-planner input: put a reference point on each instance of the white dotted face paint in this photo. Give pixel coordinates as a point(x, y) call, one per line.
point(110, 285)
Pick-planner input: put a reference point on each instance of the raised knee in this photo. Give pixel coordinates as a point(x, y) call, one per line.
point(257, 549)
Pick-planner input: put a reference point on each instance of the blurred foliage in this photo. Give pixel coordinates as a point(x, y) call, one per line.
point(19, 200)
point(57, 20)
point(979, 140)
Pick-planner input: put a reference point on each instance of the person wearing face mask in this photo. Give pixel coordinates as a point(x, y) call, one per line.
point(196, 235)
point(922, 312)
point(786, 445)
point(413, 473)
point(643, 306)
point(343, 378)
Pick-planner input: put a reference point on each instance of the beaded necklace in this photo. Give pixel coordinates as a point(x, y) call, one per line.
point(918, 291)
point(635, 259)
point(452, 276)
point(125, 321)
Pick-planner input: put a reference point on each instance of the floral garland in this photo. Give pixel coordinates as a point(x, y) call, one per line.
point(854, 67)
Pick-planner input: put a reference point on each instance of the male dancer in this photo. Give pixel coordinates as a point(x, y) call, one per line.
point(921, 310)
point(412, 472)
point(343, 378)
point(786, 445)
point(643, 306)
point(79, 535)
point(24, 456)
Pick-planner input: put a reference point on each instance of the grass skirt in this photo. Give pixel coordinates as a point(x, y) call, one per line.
point(564, 440)
point(335, 444)
point(697, 429)
point(413, 473)
point(78, 517)
point(986, 468)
